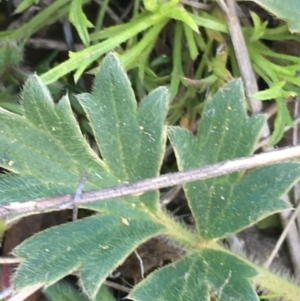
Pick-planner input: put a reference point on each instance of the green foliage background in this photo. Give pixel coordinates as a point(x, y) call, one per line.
point(45, 153)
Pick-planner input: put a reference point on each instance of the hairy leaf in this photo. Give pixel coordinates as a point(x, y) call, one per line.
point(95, 245)
point(47, 155)
point(143, 128)
point(229, 203)
point(198, 276)
point(45, 149)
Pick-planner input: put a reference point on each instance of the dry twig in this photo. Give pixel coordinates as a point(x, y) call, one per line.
point(241, 53)
point(172, 179)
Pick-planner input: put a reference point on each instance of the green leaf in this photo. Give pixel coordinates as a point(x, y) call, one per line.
point(283, 118)
point(191, 41)
point(80, 21)
point(229, 203)
point(64, 291)
point(289, 12)
point(197, 276)
point(126, 123)
point(177, 72)
point(48, 154)
point(38, 149)
point(225, 131)
point(142, 49)
point(179, 13)
point(259, 27)
point(91, 245)
point(274, 92)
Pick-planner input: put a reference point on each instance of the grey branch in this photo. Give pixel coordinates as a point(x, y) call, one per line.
point(172, 179)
